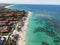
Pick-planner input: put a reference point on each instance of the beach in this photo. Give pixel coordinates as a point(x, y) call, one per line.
point(23, 28)
point(9, 6)
point(4, 5)
point(23, 33)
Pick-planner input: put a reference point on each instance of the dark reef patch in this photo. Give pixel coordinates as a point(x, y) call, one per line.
point(50, 33)
point(45, 43)
point(56, 40)
point(39, 29)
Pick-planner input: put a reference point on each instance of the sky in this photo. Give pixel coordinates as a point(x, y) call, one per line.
point(31, 1)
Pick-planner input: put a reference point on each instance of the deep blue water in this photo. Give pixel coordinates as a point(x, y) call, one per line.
point(28, 7)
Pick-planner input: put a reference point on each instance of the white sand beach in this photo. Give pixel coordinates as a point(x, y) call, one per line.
point(23, 33)
point(8, 6)
point(21, 39)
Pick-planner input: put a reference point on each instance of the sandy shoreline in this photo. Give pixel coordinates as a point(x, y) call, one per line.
point(23, 33)
point(8, 6)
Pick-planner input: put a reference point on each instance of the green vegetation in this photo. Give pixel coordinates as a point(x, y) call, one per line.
point(9, 42)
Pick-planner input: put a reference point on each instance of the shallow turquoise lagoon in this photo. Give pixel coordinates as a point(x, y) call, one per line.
point(43, 29)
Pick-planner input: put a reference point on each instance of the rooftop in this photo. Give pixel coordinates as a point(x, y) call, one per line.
point(8, 17)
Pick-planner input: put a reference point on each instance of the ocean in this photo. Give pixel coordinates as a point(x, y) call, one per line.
point(44, 24)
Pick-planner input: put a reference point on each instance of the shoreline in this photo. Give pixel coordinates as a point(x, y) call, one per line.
point(23, 33)
point(9, 6)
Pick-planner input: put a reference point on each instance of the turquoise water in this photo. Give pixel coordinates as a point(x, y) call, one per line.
point(44, 24)
point(41, 31)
